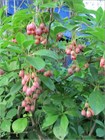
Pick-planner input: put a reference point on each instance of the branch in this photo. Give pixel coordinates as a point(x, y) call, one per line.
point(94, 60)
point(32, 119)
point(51, 21)
point(49, 29)
point(64, 78)
point(19, 111)
point(92, 129)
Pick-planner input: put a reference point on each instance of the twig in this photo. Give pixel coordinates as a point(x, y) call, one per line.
point(14, 6)
point(32, 121)
point(94, 60)
point(67, 76)
point(92, 129)
point(20, 5)
point(51, 21)
point(49, 30)
point(19, 110)
point(39, 134)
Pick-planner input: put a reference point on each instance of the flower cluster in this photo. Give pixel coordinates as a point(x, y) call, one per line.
point(38, 32)
point(48, 73)
point(102, 62)
point(59, 36)
point(32, 89)
point(87, 111)
point(73, 49)
point(74, 68)
point(1, 72)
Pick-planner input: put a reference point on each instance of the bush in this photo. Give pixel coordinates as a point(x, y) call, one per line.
point(40, 98)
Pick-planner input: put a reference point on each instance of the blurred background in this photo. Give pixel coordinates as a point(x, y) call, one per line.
point(14, 5)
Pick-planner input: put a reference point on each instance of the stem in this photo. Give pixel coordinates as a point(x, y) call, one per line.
point(94, 60)
point(6, 5)
point(32, 121)
point(36, 128)
point(51, 21)
point(37, 7)
point(14, 6)
point(39, 134)
point(67, 76)
point(19, 111)
point(20, 4)
point(49, 30)
point(40, 138)
point(92, 129)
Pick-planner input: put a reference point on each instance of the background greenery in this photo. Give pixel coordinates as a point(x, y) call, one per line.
point(58, 109)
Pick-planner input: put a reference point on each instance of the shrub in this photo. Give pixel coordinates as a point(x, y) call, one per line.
point(40, 97)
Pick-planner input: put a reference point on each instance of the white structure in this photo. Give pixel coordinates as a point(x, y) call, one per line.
point(94, 4)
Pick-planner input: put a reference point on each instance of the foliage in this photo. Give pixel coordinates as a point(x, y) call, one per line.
point(65, 90)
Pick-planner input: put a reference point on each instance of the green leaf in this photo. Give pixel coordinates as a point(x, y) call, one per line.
point(16, 87)
point(49, 120)
point(5, 27)
point(13, 66)
point(79, 8)
point(6, 20)
point(51, 109)
point(48, 82)
point(88, 138)
point(80, 130)
point(94, 72)
point(1, 12)
point(19, 125)
point(97, 102)
point(60, 129)
point(99, 14)
point(2, 109)
point(3, 81)
point(5, 125)
point(14, 49)
point(49, 5)
point(11, 113)
point(57, 99)
point(70, 27)
point(81, 58)
point(72, 112)
point(10, 101)
point(20, 38)
point(64, 123)
point(28, 43)
point(101, 21)
point(36, 62)
point(100, 123)
point(59, 29)
point(32, 136)
point(58, 18)
point(1, 91)
point(47, 53)
point(100, 132)
point(97, 33)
